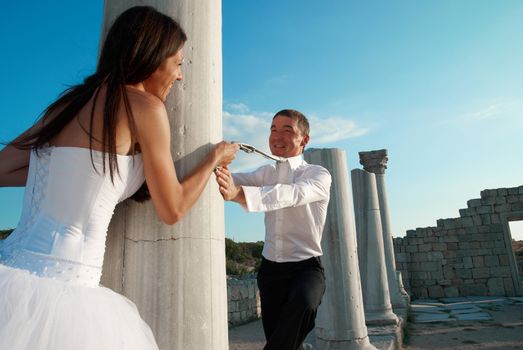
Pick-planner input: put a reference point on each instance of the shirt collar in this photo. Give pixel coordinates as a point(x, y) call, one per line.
point(295, 162)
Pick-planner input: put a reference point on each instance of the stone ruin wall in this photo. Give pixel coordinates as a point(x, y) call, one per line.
point(243, 301)
point(469, 255)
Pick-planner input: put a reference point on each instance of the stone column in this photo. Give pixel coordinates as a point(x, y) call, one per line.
point(376, 162)
point(378, 309)
point(176, 274)
point(341, 320)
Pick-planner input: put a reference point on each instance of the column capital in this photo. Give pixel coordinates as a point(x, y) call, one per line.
point(374, 161)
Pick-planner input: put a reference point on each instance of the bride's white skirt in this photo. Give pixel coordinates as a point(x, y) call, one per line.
point(42, 313)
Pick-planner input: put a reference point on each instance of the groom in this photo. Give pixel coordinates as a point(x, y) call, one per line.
point(294, 196)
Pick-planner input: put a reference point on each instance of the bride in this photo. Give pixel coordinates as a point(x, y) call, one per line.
point(93, 147)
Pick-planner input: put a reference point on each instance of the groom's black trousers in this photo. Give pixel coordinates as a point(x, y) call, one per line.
point(290, 294)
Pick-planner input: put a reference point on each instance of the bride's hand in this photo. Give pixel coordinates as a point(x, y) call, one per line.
point(225, 153)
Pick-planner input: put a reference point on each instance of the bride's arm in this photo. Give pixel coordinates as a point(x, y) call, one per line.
point(171, 197)
point(14, 164)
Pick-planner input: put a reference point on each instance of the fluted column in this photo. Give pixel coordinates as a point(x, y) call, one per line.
point(341, 321)
point(176, 274)
point(376, 297)
point(376, 162)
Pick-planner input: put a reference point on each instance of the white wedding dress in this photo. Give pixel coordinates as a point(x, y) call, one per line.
point(50, 266)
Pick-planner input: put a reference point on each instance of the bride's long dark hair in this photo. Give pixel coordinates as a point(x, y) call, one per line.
point(139, 40)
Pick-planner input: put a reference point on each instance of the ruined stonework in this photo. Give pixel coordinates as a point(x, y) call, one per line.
point(469, 255)
point(243, 301)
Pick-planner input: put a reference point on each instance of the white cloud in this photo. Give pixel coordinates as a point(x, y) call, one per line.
point(332, 129)
point(253, 128)
point(504, 109)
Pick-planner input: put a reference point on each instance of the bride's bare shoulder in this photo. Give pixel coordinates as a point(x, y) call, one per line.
point(144, 102)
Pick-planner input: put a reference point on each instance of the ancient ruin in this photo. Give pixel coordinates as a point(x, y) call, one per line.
point(469, 255)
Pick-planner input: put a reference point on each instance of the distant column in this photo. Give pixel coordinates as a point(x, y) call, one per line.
point(376, 297)
point(341, 320)
point(176, 274)
point(376, 162)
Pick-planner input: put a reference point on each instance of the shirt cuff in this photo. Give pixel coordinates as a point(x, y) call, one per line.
point(253, 198)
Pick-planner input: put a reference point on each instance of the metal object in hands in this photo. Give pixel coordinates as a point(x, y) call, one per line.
point(251, 149)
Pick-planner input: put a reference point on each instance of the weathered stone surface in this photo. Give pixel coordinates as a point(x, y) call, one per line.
point(450, 292)
point(496, 286)
point(474, 289)
point(436, 291)
point(341, 320)
point(475, 251)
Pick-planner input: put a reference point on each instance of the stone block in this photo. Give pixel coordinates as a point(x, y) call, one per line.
point(503, 260)
point(513, 190)
point(435, 256)
point(499, 251)
point(485, 209)
point(449, 272)
point(439, 246)
point(489, 193)
point(417, 283)
point(475, 245)
point(420, 292)
point(496, 228)
point(520, 189)
point(451, 292)
point(424, 248)
point(512, 199)
point(464, 273)
point(478, 261)
point(485, 219)
point(467, 221)
point(457, 282)
point(401, 257)
point(494, 219)
point(430, 266)
point(467, 262)
point(432, 239)
point(500, 271)
point(452, 223)
point(491, 260)
point(474, 289)
point(436, 292)
point(472, 230)
point(414, 266)
point(487, 244)
point(495, 286)
point(430, 282)
point(452, 246)
point(411, 233)
point(516, 206)
point(502, 208)
point(444, 282)
point(488, 200)
point(499, 243)
point(414, 241)
point(474, 203)
point(509, 287)
point(480, 272)
point(502, 191)
point(420, 275)
point(501, 200)
point(464, 245)
point(483, 229)
point(467, 212)
point(412, 249)
point(436, 275)
point(451, 238)
point(450, 253)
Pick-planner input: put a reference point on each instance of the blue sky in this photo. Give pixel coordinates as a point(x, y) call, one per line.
point(437, 83)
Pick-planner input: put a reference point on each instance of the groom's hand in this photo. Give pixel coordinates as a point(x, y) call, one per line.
point(228, 190)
